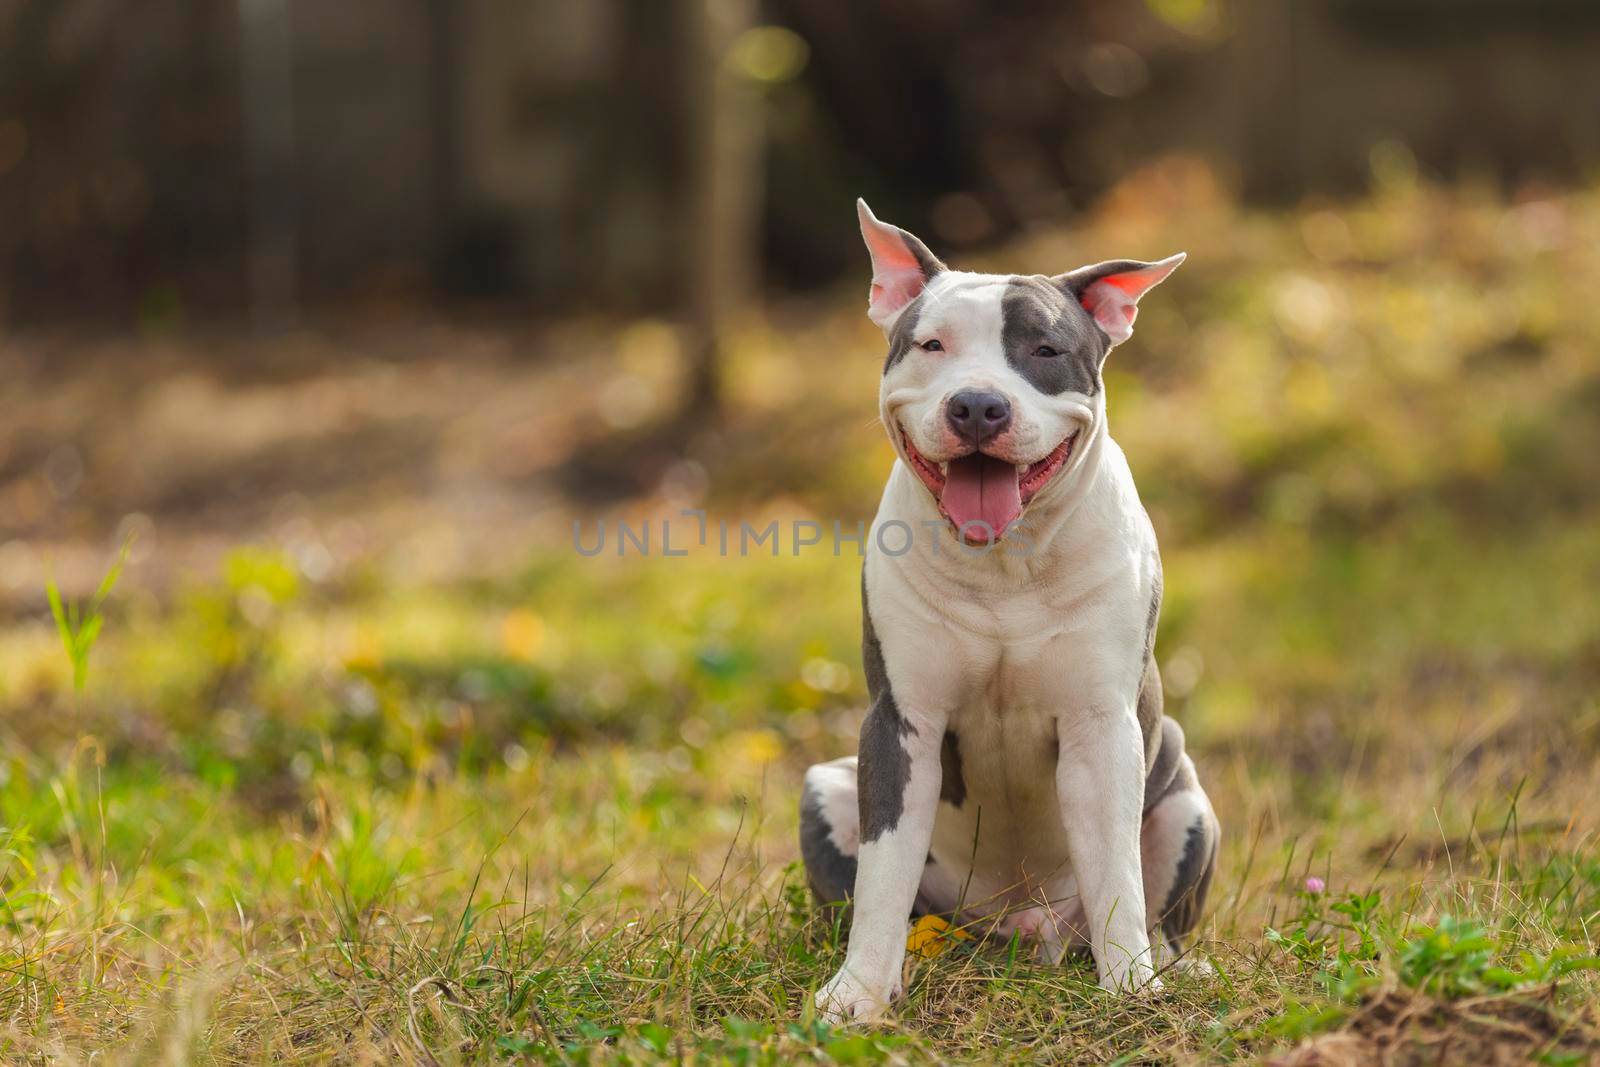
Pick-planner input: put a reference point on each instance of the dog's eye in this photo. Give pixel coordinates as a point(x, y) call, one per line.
point(932, 345)
point(1045, 351)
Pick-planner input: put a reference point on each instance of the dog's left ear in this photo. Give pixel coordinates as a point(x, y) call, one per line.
point(1110, 291)
point(901, 266)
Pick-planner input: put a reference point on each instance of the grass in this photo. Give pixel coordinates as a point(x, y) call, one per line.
point(300, 816)
point(79, 626)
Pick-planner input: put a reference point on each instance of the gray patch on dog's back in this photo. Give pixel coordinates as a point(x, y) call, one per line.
point(1163, 776)
point(1155, 613)
point(1148, 709)
point(1151, 698)
point(952, 786)
point(871, 652)
point(1036, 313)
point(884, 769)
point(830, 873)
point(1192, 881)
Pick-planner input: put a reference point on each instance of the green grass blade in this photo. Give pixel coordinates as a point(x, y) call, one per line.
point(57, 612)
point(109, 582)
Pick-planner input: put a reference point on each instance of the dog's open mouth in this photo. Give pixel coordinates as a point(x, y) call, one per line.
point(982, 495)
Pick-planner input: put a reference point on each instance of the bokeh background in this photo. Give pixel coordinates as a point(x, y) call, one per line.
point(276, 263)
point(340, 314)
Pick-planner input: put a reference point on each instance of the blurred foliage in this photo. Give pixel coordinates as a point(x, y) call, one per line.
point(1368, 434)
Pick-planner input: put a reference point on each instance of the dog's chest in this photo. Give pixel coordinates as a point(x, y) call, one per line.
point(1004, 729)
point(1006, 679)
point(998, 664)
point(999, 810)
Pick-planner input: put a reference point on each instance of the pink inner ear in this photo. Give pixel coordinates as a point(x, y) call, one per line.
point(897, 274)
point(1138, 282)
point(889, 250)
point(894, 289)
point(1132, 283)
point(1113, 300)
point(1112, 307)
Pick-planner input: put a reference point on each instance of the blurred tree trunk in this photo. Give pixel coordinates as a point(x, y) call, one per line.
point(444, 104)
point(267, 87)
point(58, 64)
point(1267, 50)
point(723, 167)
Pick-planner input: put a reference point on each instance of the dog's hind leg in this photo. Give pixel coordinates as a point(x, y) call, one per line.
point(830, 829)
point(830, 838)
point(1178, 846)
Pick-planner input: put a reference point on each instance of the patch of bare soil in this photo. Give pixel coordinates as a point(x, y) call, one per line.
point(1401, 1028)
point(427, 446)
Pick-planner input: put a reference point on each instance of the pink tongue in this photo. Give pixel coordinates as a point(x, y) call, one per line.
point(980, 488)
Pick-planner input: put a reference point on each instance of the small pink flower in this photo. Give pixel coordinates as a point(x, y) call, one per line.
point(1315, 885)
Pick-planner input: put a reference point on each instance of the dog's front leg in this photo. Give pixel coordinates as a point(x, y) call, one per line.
point(1100, 783)
point(898, 781)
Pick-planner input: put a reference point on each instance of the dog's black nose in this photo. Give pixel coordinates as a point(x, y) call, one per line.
point(976, 417)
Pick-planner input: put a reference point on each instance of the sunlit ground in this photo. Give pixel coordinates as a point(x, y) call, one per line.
point(371, 764)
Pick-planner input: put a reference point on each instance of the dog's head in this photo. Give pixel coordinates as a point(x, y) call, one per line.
point(992, 379)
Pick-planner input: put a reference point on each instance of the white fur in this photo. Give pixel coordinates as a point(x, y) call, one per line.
point(963, 312)
point(1013, 650)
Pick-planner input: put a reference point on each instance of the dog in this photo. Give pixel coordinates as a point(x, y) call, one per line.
point(1016, 773)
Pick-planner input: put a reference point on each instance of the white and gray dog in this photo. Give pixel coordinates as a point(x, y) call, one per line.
point(1016, 772)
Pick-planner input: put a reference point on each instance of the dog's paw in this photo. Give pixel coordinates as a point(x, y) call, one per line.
point(844, 1000)
point(1192, 966)
point(1130, 978)
point(1167, 959)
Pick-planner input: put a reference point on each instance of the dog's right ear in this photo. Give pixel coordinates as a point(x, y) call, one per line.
point(901, 267)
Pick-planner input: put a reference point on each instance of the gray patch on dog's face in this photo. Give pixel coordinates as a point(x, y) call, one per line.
point(884, 769)
point(1037, 314)
point(952, 786)
point(903, 338)
point(929, 262)
point(830, 873)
